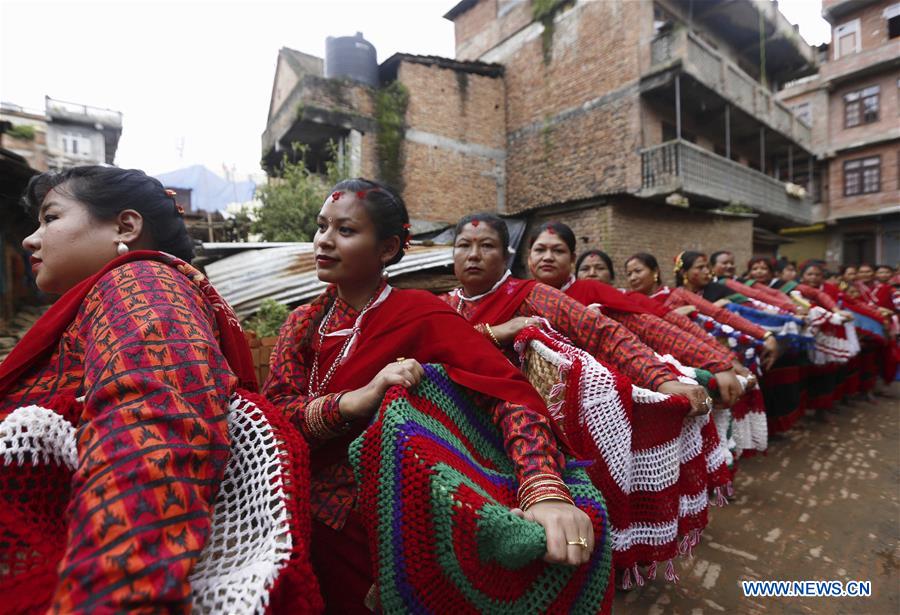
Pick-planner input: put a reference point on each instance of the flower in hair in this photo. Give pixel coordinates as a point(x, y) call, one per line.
point(679, 263)
point(170, 193)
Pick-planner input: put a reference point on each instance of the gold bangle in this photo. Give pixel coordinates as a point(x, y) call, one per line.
point(535, 478)
point(543, 498)
point(493, 337)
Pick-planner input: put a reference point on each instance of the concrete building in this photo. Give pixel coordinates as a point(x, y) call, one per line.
point(645, 125)
point(80, 134)
point(852, 104)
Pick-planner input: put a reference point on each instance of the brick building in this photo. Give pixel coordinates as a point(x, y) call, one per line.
point(26, 135)
point(645, 125)
point(852, 103)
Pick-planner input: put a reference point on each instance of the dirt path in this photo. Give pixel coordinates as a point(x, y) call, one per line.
point(824, 504)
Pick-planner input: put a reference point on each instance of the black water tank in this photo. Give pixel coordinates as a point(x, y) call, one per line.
point(351, 57)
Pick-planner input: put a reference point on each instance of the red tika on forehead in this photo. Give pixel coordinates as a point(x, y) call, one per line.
point(551, 230)
point(475, 223)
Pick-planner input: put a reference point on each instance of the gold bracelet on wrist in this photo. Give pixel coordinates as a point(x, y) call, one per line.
point(558, 496)
point(532, 480)
point(493, 337)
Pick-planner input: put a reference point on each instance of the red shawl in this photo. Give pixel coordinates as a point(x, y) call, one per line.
point(499, 306)
point(43, 337)
point(415, 324)
point(592, 291)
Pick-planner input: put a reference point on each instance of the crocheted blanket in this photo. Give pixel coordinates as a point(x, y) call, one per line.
point(742, 427)
point(256, 555)
point(436, 488)
point(653, 465)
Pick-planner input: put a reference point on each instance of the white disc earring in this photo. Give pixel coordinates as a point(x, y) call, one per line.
point(122, 248)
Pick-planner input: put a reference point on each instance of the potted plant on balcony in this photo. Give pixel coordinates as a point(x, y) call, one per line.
point(262, 333)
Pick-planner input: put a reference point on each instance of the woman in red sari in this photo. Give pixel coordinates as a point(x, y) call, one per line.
point(550, 261)
point(336, 358)
point(500, 306)
point(126, 383)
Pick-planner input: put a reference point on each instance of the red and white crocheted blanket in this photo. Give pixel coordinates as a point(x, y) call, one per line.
point(654, 465)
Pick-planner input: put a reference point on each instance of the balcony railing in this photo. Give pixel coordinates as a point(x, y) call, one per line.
point(723, 76)
point(679, 166)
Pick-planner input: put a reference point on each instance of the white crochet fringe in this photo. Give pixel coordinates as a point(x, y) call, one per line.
point(250, 539)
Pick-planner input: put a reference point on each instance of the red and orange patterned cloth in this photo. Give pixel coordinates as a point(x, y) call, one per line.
point(147, 387)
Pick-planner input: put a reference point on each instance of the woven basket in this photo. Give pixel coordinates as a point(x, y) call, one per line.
point(542, 373)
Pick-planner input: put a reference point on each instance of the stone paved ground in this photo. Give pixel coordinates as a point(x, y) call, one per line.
point(823, 504)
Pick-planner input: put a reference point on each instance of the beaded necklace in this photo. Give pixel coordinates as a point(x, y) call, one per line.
point(461, 297)
point(313, 388)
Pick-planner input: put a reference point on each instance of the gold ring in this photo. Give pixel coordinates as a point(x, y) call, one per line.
point(581, 542)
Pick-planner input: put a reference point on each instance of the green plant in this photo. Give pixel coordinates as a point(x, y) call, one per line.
point(291, 202)
point(22, 131)
point(391, 102)
point(268, 319)
point(544, 11)
point(736, 207)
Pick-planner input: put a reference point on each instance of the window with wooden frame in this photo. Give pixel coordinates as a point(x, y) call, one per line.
point(862, 176)
point(846, 39)
point(861, 106)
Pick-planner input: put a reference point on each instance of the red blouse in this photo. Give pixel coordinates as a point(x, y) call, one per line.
point(152, 438)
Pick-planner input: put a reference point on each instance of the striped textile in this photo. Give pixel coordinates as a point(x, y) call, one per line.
point(436, 488)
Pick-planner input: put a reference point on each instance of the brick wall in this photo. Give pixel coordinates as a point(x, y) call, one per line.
point(626, 225)
point(873, 26)
point(455, 104)
point(454, 150)
point(889, 196)
point(573, 122)
point(33, 150)
point(487, 24)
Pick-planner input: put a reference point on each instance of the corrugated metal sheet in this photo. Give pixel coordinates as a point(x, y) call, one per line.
point(288, 274)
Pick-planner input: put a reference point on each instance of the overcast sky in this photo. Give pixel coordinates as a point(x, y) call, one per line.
point(193, 78)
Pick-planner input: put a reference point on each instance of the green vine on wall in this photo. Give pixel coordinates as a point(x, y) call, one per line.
point(391, 102)
point(544, 11)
